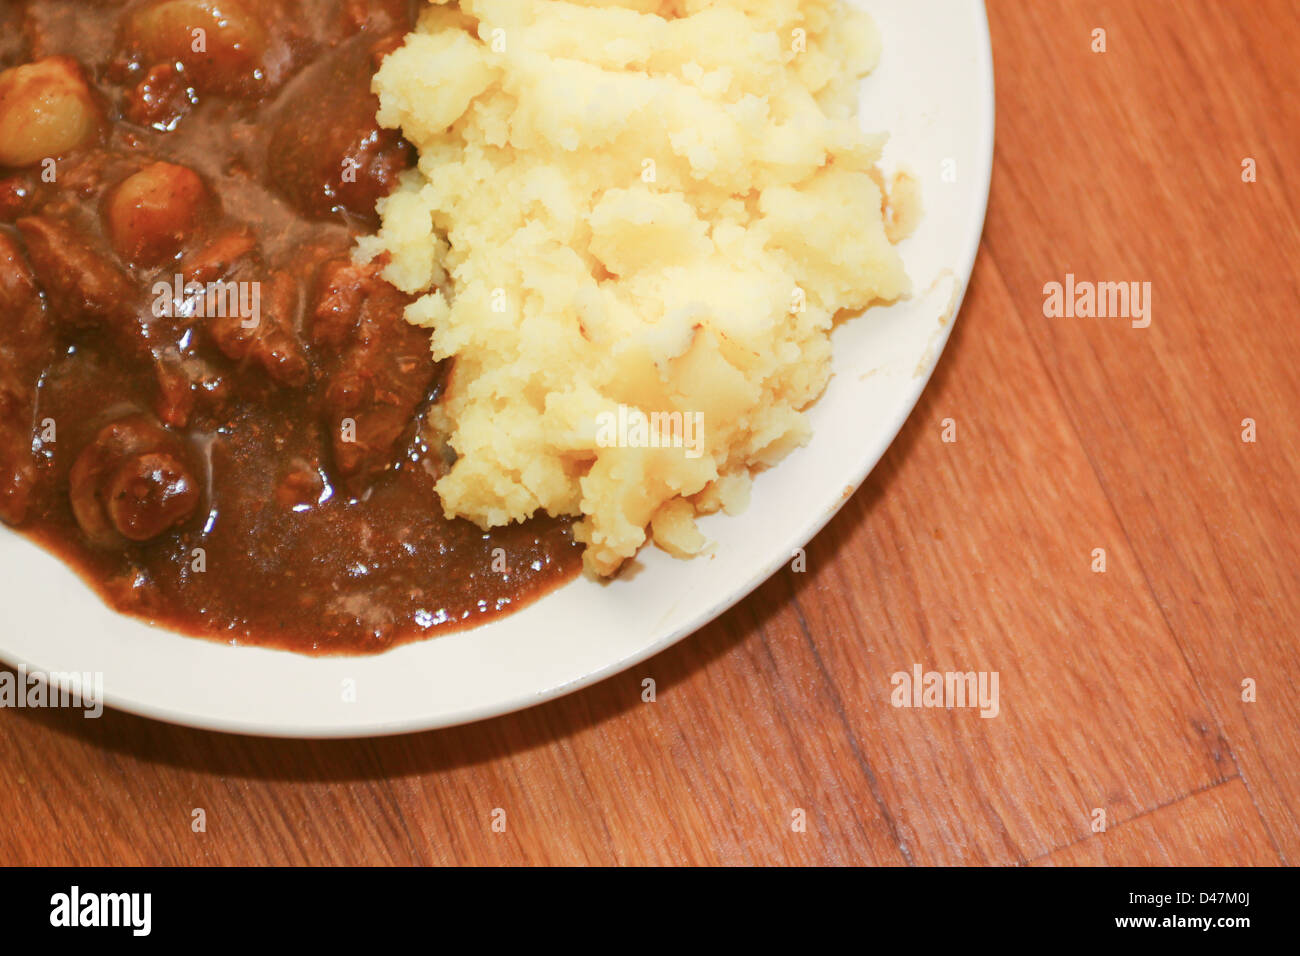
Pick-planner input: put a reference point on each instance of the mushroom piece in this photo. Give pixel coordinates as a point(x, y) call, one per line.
point(132, 483)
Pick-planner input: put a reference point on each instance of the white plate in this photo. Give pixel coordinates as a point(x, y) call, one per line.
point(933, 92)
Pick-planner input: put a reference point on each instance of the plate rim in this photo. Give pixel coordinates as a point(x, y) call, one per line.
point(962, 269)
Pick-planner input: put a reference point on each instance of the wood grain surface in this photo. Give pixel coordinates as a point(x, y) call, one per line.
point(1121, 692)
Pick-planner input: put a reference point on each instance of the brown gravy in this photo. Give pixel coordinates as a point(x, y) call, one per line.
point(266, 484)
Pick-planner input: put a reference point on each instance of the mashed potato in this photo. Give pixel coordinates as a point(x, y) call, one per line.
point(634, 224)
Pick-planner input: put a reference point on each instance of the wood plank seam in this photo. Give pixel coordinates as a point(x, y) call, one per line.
point(838, 703)
point(1146, 813)
point(1142, 561)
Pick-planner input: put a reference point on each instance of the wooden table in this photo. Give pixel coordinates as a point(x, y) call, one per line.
point(1121, 691)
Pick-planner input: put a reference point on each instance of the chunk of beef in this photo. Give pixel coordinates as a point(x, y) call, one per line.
point(377, 367)
point(26, 346)
point(161, 100)
point(87, 290)
point(249, 311)
point(349, 163)
point(82, 285)
point(392, 17)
